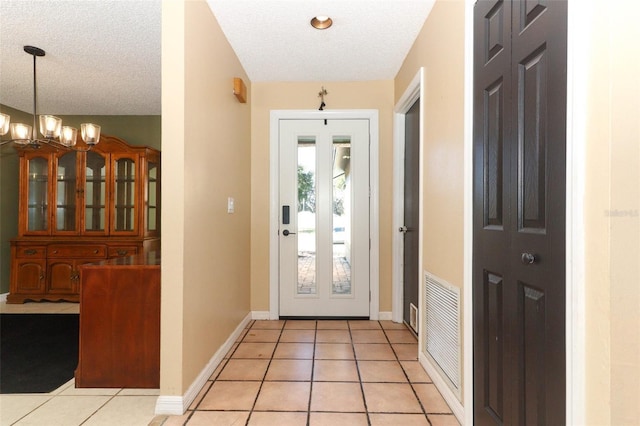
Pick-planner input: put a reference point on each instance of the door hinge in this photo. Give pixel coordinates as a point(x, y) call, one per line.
point(369, 295)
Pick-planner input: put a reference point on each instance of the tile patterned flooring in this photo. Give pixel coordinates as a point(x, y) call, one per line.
point(318, 373)
point(283, 373)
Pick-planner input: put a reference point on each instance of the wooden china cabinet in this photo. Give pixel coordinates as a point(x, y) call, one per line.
point(78, 207)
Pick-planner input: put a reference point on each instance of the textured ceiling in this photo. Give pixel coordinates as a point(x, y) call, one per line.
point(368, 40)
point(103, 57)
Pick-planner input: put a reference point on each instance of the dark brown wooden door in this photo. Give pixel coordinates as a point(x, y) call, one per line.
point(519, 212)
point(411, 209)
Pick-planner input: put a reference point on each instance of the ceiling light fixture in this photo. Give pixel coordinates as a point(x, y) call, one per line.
point(321, 22)
point(51, 128)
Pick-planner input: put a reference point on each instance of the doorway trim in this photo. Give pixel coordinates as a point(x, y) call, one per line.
point(374, 214)
point(413, 92)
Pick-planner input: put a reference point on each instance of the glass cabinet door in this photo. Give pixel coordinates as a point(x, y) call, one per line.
point(66, 192)
point(153, 197)
point(124, 195)
point(95, 193)
point(38, 195)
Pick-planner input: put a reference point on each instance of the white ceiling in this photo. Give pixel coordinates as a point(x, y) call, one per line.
point(103, 57)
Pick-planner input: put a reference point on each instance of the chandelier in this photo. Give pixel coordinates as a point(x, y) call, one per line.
point(51, 128)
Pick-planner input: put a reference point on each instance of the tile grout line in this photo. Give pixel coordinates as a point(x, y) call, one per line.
point(313, 365)
point(422, 407)
point(266, 371)
point(357, 361)
point(99, 408)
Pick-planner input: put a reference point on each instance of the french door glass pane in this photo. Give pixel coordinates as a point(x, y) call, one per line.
point(307, 216)
point(341, 215)
point(38, 207)
point(95, 192)
point(66, 192)
point(125, 195)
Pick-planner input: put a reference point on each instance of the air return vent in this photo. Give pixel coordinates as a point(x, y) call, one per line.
point(442, 329)
point(413, 317)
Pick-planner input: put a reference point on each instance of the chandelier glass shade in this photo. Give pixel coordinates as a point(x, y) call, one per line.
point(50, 126)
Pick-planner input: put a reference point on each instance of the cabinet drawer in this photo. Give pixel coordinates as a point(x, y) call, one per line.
point(122, 251)
point(31, 252)
point(77, 250)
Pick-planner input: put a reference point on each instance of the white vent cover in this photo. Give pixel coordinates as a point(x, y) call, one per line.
point(442, 328)
point(413, 317)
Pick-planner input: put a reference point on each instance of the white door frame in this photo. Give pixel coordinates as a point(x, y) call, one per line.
point(374, 214)
point(411, 94)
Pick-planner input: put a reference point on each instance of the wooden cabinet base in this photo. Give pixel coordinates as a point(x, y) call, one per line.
point(47, 268)
point(120, 324)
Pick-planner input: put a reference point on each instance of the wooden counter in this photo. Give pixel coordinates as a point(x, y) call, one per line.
point(120, 323)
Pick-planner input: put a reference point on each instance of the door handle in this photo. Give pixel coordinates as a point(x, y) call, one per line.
point(528, 258)
point(403, 229)
point(286, 233)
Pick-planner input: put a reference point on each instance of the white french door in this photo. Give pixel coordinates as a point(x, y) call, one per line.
point(324, 218)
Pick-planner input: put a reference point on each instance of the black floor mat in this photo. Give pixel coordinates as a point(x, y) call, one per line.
point(38, 352)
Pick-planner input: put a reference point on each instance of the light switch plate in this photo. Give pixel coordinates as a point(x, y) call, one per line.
point(230, 205)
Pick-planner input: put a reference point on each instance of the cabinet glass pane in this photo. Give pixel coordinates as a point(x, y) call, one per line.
point(153, 196)
point(125, 173)
point(95, 192)
point(38, 203)
point(66, 192)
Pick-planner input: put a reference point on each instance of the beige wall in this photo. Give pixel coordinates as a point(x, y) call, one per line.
point(206, 155)
point(342, 95)
point(439, 48)
point(612, 210)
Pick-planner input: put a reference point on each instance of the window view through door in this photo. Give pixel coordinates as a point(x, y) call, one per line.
point(322, 187)
point(341, 218)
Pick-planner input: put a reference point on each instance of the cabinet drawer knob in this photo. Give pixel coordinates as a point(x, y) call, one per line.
point(30, 251)
point(95, 251)
point(122, 252)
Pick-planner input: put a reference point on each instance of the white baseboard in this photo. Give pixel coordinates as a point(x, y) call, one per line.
point(260, 315)
point(3, 297)
point(385, 316)
point(176, 404)
point(447, 393)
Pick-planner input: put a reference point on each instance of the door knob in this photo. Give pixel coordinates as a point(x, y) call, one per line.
point(403, 229)
point(528, 258)
point(286, 232)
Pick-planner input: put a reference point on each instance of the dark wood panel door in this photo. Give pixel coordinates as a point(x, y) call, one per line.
point(411, 227)
point(519, 212)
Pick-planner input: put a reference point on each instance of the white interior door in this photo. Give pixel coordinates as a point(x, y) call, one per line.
point(324, 218)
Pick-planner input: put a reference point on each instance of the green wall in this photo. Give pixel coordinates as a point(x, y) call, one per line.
point(134, 129)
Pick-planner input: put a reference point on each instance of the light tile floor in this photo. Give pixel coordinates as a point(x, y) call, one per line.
point(316, 373)
point(283, 373)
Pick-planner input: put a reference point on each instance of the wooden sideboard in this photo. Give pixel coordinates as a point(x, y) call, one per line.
point(120, 323)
